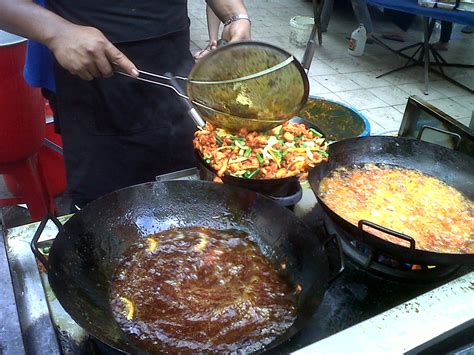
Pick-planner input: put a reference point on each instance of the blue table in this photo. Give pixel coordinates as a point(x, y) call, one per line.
point(424, 49)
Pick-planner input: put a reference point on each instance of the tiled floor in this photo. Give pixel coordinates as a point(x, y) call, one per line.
point(336, 75)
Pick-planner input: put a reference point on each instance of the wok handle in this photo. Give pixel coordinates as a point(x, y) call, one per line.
point(34, 242)
point(456, 136)
point(334, 238)
point(391, 232)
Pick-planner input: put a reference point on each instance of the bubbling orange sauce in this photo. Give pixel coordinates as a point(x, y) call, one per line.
point(194, 290)
point(437, 216)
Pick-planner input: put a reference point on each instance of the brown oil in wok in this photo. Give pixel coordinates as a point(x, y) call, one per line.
point(200, 290)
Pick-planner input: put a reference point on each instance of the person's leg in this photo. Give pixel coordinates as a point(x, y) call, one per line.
point(403, 20)
point(362, 14)
point(445, 36)
point(326, 14)
point(446, 29)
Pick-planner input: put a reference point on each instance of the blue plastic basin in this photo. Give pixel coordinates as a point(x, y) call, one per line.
point(336, 120)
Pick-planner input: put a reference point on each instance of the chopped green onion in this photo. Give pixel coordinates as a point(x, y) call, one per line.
point(247, 152)
point(277, 153)
point(254, 173)
point(207, 160)
point(246, 174)
point(315, 132)
point(232, 145)
point(284, 153)
point(323, 153)
point(218, 139)
point(240, 144)
point(297, 138)
point(281, 141)
point(260, 158)
point(236, 138)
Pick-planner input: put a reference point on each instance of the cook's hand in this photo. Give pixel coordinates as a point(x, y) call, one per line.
point(86, 52)
point(237, 31)
point(202, 53)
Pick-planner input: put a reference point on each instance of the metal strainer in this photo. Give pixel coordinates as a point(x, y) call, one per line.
point(246, 84)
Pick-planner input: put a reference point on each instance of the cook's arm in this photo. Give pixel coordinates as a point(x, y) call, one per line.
point(81, 50)
point(213, 24)
point(225, 9)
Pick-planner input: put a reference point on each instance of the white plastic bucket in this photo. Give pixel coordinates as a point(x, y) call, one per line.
point(301, 27)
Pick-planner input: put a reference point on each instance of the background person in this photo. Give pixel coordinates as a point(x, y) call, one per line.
point(403, 20)
point(445, 35)
point(361, 13)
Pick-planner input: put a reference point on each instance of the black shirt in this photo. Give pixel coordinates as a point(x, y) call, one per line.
point(125, 20)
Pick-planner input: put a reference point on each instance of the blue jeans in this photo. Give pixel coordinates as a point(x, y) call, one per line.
point(446, 29)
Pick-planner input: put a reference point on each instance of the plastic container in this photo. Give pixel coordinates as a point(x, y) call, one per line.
point(21, 107)
point(357, 41)
point(301, 27)
point(51, 164)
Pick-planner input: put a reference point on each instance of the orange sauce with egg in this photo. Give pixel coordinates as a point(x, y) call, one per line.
point(436, 215)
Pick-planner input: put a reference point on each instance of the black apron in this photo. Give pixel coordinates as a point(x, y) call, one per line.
point(119, 131)
point(125, 20)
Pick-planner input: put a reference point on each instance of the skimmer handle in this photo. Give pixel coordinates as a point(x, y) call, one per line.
point(191, 111)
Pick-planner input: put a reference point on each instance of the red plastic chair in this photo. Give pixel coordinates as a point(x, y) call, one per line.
point(30, 187)
point(22, 132)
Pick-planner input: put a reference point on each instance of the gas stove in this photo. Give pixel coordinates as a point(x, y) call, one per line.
point(362, 302)
point(378, 263)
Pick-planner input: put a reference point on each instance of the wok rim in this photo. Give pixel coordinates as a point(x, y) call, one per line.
point(399, 251)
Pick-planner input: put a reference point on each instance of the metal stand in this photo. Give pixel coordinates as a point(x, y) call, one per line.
point(311, 45)
point(423, 48)
point(318, 6)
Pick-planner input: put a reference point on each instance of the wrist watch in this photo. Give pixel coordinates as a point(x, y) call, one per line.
point(236, 18)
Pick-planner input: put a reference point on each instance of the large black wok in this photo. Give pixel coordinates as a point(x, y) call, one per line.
point(452, 167)
point(84, 255)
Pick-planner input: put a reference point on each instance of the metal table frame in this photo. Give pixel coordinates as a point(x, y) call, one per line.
point(423, 50)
